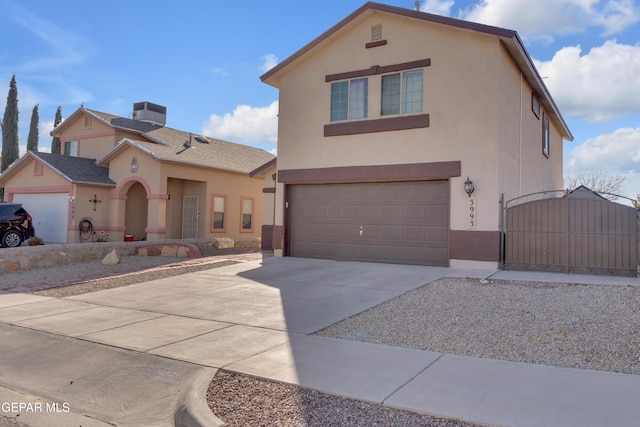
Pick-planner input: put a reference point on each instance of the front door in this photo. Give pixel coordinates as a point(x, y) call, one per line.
point(190, 213)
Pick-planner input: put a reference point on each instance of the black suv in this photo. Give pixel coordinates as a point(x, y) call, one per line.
point(16, 225)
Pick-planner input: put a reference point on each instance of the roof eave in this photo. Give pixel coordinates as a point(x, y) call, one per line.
point(94, 184)
point(109, 155)
point(198, 165)
point(261, 169)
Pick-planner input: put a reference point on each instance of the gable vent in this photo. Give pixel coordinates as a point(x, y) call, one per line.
point(376, 32)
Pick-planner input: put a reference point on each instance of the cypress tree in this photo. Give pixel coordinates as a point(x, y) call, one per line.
point(32, 141)
point(56, 145)
point(10, 147)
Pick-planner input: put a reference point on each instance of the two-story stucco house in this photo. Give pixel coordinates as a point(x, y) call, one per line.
point(382, 121)
point(135, 178)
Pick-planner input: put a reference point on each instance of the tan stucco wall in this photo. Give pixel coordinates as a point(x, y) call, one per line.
point(269, 197)
point(523, 167)
point(94, 139)
point(84, 209)
point(26, 178)
point(472, 93)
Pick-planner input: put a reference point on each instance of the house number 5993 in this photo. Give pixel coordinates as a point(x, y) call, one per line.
point(472, 213)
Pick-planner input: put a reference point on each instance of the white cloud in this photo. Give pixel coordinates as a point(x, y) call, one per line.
point(44, 140)
point(439, 7)
point(618, 151)
point(598, 86)
point(245, 124)
point(544, 18)
point(269, 61)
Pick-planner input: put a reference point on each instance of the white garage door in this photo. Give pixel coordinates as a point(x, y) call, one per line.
point(49, 212)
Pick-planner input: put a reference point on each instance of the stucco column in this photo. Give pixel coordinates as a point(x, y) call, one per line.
point(116, 226)
point(157, 218)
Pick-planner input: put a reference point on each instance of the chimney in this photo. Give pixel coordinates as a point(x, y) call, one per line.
point(150, 112)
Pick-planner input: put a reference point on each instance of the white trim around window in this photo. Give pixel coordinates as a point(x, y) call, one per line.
point(402, 93)
point(349, 99)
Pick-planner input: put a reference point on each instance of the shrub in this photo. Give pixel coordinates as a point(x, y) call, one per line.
point(35, 241)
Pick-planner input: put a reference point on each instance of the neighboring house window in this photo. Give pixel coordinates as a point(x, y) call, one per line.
point(402, 93)
point(219, 203)
point(247, 214)
point(71, 148)
point(349, 99)
point(545, 135)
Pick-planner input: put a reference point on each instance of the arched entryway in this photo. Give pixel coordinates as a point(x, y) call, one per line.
point(135, 218)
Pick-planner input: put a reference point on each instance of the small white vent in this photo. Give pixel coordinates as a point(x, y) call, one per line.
point(376, 32)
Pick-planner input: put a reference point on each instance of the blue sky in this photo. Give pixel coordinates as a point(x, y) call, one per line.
point(203, 60)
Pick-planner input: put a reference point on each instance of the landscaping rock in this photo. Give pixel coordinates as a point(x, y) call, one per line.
point(112, 258)
point(182, 252)
point(223, 243)
point(169, 251)
point(247, 242)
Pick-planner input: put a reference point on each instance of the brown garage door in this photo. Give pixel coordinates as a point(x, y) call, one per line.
point(398, 222)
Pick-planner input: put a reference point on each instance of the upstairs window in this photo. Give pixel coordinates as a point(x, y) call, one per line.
point(402, 93)
point(349, 99)
point(71, 148)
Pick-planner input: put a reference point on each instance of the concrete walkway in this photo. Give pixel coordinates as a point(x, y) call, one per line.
point(129, 355)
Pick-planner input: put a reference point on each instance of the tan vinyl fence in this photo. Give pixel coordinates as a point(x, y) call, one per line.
point(573, 235)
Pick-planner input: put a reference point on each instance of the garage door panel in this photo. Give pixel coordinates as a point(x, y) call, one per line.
point(49, 212)
point(400, 222)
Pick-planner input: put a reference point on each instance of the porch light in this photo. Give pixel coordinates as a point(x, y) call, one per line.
point(468, 187)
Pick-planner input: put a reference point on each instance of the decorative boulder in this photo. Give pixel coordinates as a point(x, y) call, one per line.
point(222, 243)
point(112, 258)
point(168, 251)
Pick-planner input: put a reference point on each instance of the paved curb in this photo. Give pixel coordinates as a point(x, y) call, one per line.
point(193, 410)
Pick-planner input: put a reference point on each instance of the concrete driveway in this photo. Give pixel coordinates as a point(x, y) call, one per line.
point(131, 355)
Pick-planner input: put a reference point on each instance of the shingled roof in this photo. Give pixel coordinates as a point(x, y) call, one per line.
point(172, 145)
point(76, 170)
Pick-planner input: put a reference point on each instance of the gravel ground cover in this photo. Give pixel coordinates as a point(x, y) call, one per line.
point(130, 278)
point(79, 270)
point(77, 278)
point(574, 326)
point(241, 400)
point(10, 422)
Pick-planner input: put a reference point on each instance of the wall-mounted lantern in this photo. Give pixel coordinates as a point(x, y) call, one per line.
point(468, 187)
